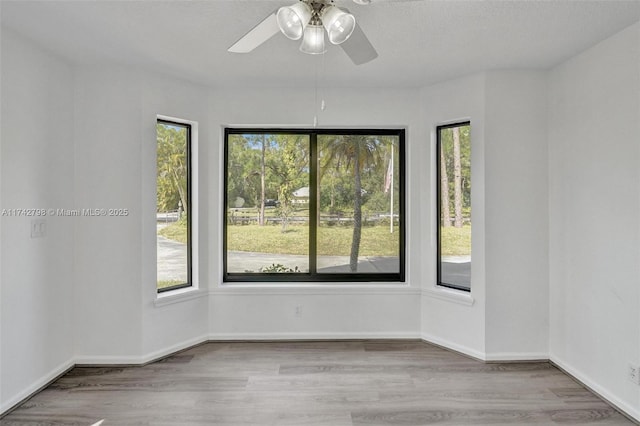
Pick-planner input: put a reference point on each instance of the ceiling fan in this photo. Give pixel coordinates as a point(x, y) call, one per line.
point(309, 20)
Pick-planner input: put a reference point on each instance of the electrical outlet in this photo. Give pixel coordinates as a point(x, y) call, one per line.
point(38, 228)
point(634, 373)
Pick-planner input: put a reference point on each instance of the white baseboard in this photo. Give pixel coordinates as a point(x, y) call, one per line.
point(153, 356)
point(139, 360)
point(454, 347)
point(313, 336)
point(36, 386)
point(625, 407)
point(516, 356)
point(483, 356)
point(100, 360)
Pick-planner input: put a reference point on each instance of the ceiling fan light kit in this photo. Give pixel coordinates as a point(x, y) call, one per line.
point(294, 20)
point(309, 20)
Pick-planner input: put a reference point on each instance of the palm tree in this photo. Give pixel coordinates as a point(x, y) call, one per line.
point(357, 153)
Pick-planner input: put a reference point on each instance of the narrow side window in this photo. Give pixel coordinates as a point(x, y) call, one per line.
point(453, 150)
point(173, 208)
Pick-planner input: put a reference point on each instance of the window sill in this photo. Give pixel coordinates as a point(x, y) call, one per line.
point(450, 295)
point(310, 289)
point(180, 295)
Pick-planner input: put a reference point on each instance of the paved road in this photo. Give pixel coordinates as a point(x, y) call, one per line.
point(457, 270)
point(172, 260)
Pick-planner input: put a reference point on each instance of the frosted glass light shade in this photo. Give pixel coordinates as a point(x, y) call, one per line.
point(338, 23)
point(292, 20)
point(313, 41)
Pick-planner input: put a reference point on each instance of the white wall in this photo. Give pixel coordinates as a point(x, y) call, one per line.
point(594, 206)
point(337, 311)
point(168, 327)
point(516, 215)
point(118, 321)
point(108, 271)
point(505, 315)
point(452, 318)
point(36, 156)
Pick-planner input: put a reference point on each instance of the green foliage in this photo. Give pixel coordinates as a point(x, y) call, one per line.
point(289, 170)
point(278, 268)
point(286, 164)
point(171, 161)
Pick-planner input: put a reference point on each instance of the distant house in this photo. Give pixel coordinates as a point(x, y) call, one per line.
point(301, 196)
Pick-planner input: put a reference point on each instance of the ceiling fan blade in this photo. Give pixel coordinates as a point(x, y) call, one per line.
point(358, 47)
point(258, 35)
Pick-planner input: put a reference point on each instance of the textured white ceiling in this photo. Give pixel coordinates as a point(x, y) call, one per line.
point(419, 42)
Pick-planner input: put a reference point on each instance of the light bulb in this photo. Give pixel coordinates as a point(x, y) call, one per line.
point(313, 40)
point(292, 20)
point(338, 23)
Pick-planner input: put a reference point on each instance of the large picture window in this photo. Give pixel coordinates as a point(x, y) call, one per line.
point(314, 205)
point(173, 216)
point(453, 149)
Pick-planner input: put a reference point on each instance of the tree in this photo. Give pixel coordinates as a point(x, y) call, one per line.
point(457, 178)
point(171, 165)
point(289, 164)
point(263, 172)
point(358, 153)
point(444, 190)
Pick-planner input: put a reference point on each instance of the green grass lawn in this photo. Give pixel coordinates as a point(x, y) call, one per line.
point(456, 241)
point(177, 231)
point(168, 283)
point(332, 240)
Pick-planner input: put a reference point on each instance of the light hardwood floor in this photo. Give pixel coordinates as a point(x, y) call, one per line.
point(317, 383)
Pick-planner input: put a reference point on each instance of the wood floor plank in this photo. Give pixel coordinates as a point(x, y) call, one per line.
point(328, 383)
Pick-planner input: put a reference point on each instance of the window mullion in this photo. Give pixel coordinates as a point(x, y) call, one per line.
point(313, 203)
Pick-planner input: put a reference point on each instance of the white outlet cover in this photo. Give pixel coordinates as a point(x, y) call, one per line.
point(38, 228)
point(634, 373)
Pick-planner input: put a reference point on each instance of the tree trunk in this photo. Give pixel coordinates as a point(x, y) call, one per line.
point(357, 216)
point(444, 191)
point(263, 171)
point(457, 178)
point(181, 193)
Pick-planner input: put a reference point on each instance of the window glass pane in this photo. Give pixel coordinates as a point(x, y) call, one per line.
point(359, 201)
point(267, 226)
point(172, 205)
point(454, 192)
